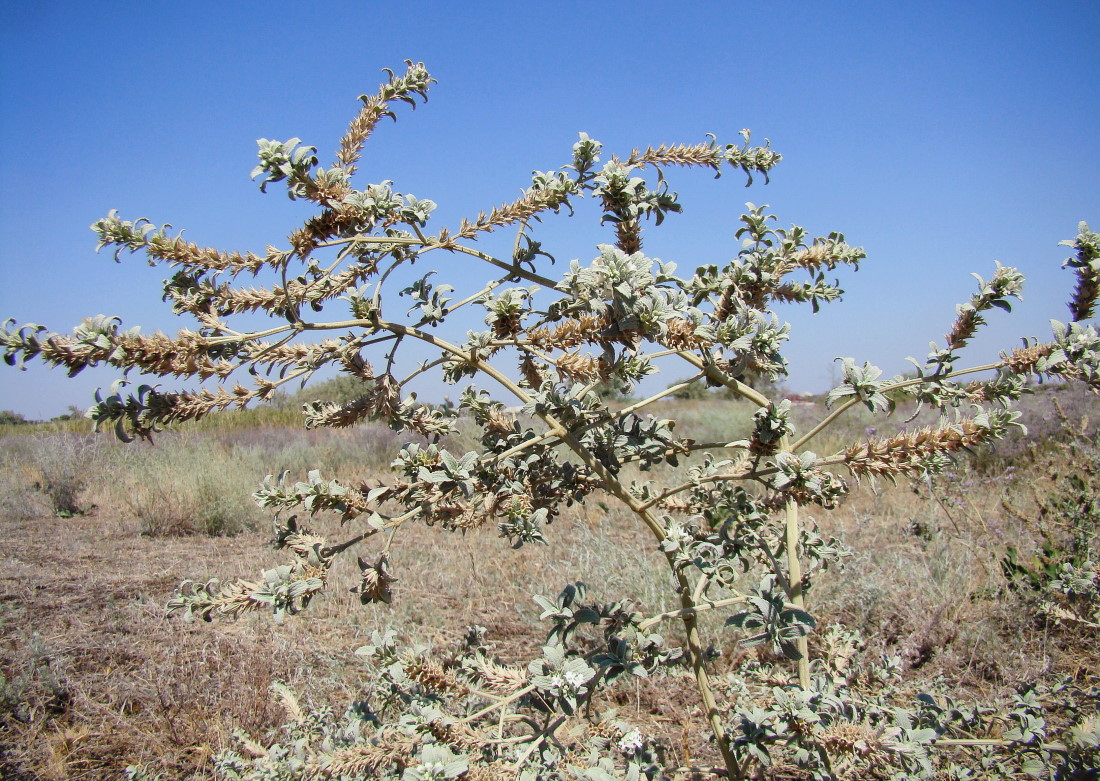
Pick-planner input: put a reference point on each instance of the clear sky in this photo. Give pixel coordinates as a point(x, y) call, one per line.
point(941, 136)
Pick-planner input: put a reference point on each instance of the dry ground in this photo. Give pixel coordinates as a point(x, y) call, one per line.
point(96, 677)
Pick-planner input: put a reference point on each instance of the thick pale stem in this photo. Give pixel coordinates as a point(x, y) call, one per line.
point(791, 521)
point(794, 576)
point(671, 389)
point(825, 422)
point(713, 373)
point(422, 369)
point(603, 421)
point(699, 608)
point(618, 490)
point(688, 608)
point(500, 703)
point(515, 270)
point(794, 566)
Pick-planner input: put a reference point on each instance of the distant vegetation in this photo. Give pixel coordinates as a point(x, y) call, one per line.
point(9, 418)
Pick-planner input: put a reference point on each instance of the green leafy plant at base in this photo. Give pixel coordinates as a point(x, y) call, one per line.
point(727, 516)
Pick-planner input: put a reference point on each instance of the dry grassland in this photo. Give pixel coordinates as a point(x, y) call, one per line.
point(96, 677)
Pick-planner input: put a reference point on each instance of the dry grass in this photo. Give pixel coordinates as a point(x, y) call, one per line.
point(98, 678)
point(95, 678)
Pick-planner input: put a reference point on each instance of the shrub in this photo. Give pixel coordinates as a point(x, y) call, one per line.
point(186, 487)
point(695, 390)
point(726, 515)
point(9, 418)
point(62, 466)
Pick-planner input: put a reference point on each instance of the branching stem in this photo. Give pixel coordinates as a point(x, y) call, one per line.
point(616, 488)
point(699, 608)
point(500, 703)
point(825, 422)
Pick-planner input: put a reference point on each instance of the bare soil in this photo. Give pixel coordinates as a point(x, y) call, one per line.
point(96, 676)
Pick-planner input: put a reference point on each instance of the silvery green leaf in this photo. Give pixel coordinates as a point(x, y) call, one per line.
point(554, 656)
point(548, 607)
point(450, 463)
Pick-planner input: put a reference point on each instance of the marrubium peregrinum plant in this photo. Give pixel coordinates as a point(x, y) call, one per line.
point(728, 521)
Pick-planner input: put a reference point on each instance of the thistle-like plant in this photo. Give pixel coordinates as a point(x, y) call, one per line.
point(730, 527)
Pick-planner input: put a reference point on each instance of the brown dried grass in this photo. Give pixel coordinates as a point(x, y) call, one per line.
point(84, 598)
point(96, 678)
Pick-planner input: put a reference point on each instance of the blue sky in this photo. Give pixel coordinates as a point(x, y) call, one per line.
point(940, 136)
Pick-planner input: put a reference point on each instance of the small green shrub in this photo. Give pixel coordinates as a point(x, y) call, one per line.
point(9, 418)
point(693, 390)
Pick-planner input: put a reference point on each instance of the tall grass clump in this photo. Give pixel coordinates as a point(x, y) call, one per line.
point(200, 483)
point(50, 473)
point(722, 506)
point(185, 486)
point(18, 497)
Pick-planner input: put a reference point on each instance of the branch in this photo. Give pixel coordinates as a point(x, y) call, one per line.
point(700, 608)
point(889, 388)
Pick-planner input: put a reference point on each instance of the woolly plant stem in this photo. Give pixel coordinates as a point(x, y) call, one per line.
point(616, 489)
point(791, 521)
point(699, 608)
point(847, 405)
point(688, 606)
point(794, 577)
